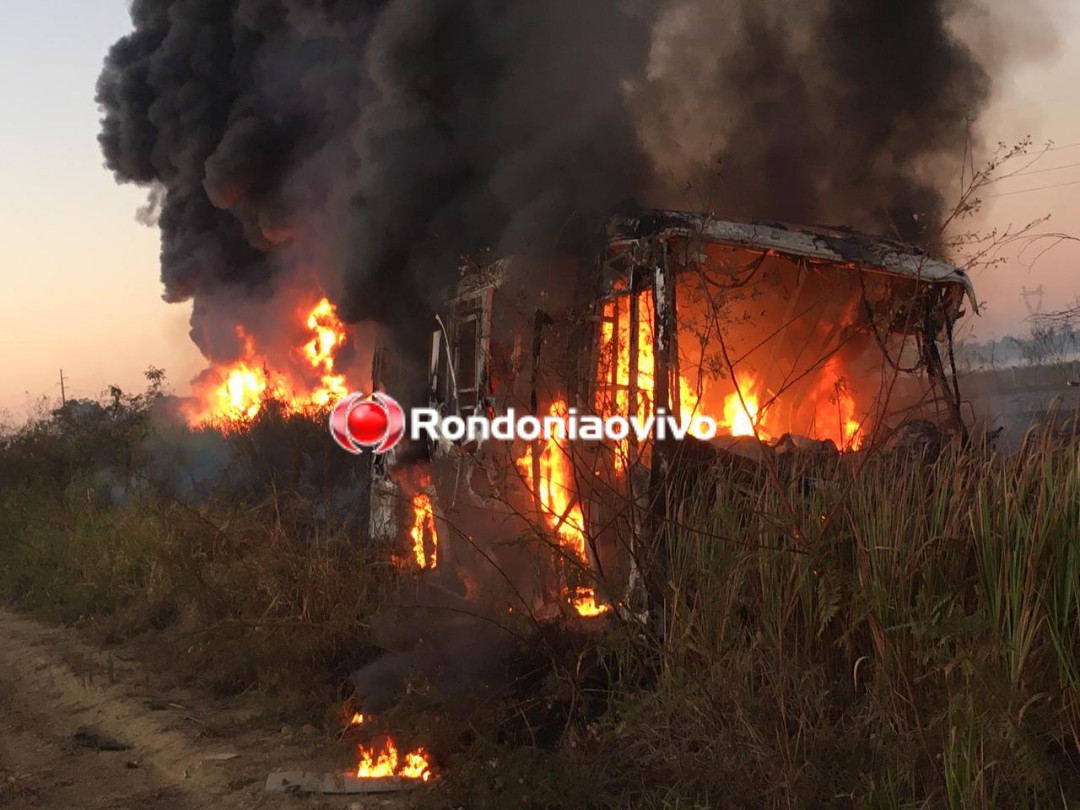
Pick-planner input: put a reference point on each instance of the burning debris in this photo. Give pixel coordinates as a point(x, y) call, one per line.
point(380, 768)
point(786, 338)
point(385, 761)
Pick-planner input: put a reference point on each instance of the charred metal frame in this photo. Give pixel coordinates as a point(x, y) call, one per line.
point(649, 268)
point(638, 259)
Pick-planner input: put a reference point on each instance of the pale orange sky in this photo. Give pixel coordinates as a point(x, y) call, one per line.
point(80, 280)
point(1041, 101)
point(80, 277)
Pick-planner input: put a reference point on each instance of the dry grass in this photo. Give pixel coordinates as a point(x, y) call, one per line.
point(262, 587)
point(236, 601)
point(921, 649)
point(921, 653)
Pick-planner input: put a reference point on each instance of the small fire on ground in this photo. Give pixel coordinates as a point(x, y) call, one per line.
point(386, 761)
point(238, 390)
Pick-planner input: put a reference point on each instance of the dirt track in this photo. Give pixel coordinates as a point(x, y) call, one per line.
point(52, 685)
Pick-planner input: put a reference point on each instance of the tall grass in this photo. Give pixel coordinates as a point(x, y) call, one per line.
point(887, 632)
point(922, 651)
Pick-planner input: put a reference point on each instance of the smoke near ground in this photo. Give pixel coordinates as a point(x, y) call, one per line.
point(366, 145)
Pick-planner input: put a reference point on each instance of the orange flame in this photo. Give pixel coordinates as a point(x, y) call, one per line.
point(740, 413)
point(613, 371)
point(329, 336)
point(384, 762)
point(836, 408)
point(560, 508)
point(237, 391)
point(423, 528)
point(387, 762)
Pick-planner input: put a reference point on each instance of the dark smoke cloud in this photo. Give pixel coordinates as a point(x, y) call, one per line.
point(495, 123)
point(831, 112)
point(369, 144)
point(374, 142)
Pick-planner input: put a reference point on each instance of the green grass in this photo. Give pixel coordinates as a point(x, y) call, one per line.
point(923, 647)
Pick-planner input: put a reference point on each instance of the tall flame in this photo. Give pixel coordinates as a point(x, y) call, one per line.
point(742, 413)
point(836, 408)
point(613, 368)
point(423, 529)
point(560, 508)
point(328, 337)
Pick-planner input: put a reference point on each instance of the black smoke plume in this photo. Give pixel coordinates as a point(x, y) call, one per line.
point(369, 143)
point(830, 112)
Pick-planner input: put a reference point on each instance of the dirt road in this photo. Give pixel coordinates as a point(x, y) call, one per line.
point(62, 702)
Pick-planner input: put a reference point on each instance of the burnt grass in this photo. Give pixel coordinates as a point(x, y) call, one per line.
point(883, 630)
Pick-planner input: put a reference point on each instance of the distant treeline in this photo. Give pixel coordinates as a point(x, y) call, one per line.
point(1045, 345)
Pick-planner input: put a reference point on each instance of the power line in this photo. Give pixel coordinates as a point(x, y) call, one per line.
point(1040, 188)
point(1029, 171)
point(1039, 171)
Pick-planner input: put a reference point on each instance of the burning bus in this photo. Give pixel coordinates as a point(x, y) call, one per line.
point(788, 338)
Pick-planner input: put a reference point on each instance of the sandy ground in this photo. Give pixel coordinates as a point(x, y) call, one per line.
point(53, 685)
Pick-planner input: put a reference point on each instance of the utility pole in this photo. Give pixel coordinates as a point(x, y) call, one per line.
point(63, 394)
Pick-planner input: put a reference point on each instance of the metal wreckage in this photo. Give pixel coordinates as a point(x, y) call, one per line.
point(794, 340)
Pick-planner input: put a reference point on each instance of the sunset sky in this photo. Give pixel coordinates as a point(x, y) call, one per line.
point(80, 277)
